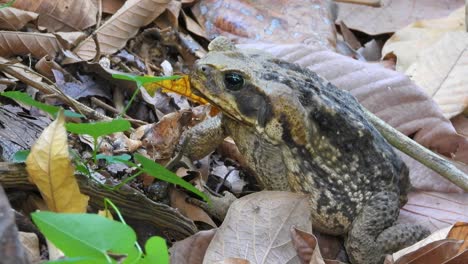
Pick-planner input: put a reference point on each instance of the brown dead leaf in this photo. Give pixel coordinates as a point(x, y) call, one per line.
point(112, 6)
point(123, 25)
point(13, 43)
point(306, 246)
point(393, 14)
point(441, 70)
point(160, 139)
point(434, 249)
point(14, 19)
point(195, 213)
point(459, 231)
point(434, 253)
point(389, 94)
point(49, 167)
point(407, 42)
point(192, 249)
point(60, 15)
point(461, 258)
point(257, 228)
point(69, 39)
point(434, 210)
point(272, 21)
point(460, 122)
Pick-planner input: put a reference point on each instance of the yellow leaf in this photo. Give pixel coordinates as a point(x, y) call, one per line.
point(50, 168)
point(180, 86)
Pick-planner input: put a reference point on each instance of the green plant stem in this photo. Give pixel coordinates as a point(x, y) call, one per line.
point(119, 215)
point(130, 101)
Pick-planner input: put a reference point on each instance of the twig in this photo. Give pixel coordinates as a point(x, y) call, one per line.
point(99, 14)
point(374, 3)
point(419, 153)
point(109, 108)
point(53, 90)
point(132, 203)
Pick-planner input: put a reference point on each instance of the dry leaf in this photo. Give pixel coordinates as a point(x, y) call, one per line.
point(24, 43)
point(30, 243)
point(433, 253)
point(49, 167)
point(434, 210)
point(233, 261)
point(192, 249)
point(272, 21)
point(15, 19)
point(61, 15)
point(69, 39)
point(389, 94)
point(407, 42)
point(441, 70)
point(257, 228)
point(393, 14)
point(459, 231)
point(194, 213)
point(306, 246)
point(180, 86)
point(123, 25)
point(112, 6)
point(460, 122)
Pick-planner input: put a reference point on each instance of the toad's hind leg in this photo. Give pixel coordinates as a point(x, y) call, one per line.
point(373, 233)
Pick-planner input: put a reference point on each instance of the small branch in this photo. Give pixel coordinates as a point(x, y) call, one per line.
point(374, 3)
point(53, 90)
point(419, 153)
point(132, 203)
point(111, 109)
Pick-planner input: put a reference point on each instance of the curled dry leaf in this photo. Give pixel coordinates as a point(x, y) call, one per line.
point(460, 122)
point(441, 70)
point(69, 39)
point(272, 21)
point(459, 231)
point(389, 94)
point(160, 139)
point(194, 213)
point(257, 228)
point(49, 167)
point(123, 25)
point(61, 15)
point(393, 14)
point(15, 19)
point(13, 43)
point(306, 246)
point(192, 249)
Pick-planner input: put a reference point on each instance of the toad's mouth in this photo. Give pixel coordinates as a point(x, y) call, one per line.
point(199, 88)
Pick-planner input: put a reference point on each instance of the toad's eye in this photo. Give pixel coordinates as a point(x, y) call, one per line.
point(233, 81)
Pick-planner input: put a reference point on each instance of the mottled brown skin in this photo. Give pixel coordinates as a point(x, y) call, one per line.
point(298, 132)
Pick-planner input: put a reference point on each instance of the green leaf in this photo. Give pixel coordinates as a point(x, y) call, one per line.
point(7, 4)
point(20, 156)
point(114, 159)
point(154, 169)
point(26, 99)
point(140, 80)
point(156, 251)
point(85, 235)
point(99, 128)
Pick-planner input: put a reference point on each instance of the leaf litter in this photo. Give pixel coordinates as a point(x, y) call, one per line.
point(391, 95)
